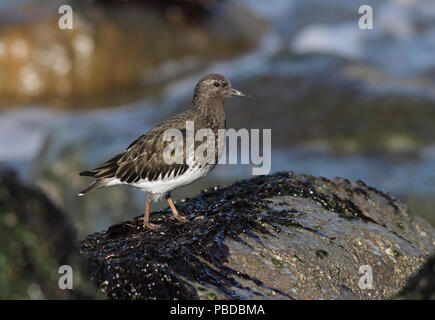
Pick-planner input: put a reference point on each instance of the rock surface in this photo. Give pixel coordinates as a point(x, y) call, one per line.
point(272, 237)
point(36, 238)
point(422, 285)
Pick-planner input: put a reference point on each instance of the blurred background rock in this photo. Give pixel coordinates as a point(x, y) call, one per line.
point(340, 101)
point(36, 239)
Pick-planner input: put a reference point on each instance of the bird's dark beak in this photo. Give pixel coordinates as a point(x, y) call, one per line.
point(237, 93)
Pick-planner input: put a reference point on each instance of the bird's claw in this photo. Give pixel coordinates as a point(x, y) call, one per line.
point(180, 218)
point(151, 226)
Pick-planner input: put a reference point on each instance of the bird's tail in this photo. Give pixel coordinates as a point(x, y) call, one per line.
point(94, 186)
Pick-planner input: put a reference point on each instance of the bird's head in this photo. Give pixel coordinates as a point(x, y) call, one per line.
point(216, 86)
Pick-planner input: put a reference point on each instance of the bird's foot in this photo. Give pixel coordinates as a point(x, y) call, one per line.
point(180, 218)
point(149, 225)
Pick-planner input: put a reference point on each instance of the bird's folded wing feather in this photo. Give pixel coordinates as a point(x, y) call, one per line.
point(143, 159)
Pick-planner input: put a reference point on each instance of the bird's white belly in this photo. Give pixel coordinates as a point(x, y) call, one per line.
point(162, 186)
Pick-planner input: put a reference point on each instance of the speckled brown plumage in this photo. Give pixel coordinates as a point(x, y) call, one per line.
point(143, 159)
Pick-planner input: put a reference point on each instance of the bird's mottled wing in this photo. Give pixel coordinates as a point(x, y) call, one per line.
point(143, 159)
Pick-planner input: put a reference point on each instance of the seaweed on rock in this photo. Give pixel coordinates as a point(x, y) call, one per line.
point(242, 240)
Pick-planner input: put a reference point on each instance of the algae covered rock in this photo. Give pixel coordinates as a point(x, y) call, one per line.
point(271, 237)
point(422, 285)
point(36, 238)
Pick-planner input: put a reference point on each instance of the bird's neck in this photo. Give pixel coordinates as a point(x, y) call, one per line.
point(211, 108)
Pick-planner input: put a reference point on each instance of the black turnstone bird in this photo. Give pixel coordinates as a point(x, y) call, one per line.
point(142, 165)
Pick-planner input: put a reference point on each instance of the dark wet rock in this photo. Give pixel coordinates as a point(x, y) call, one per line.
point(280, 236)
point(36, 238)
point(422, 285)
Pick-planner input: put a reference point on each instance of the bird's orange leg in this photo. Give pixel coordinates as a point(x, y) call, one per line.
point(146, 218)
point(175, 213)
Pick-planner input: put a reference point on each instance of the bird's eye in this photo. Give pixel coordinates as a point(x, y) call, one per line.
point(217, 84)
